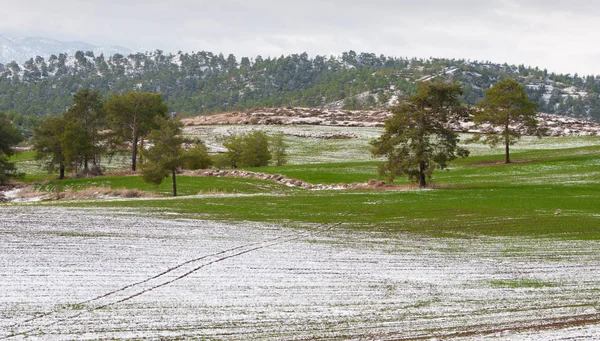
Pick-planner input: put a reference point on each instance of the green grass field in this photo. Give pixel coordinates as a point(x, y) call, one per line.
point(492, 249)
point(478, 195)
point(186, 185)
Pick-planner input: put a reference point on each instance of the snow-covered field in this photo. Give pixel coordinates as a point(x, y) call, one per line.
point(70, 274)
point(306, 146)
point(304, 143)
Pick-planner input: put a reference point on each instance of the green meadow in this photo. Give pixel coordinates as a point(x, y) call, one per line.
point(551, 190)
point(491, 250)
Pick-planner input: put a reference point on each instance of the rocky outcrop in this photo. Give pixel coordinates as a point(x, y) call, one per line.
point(296, 115)
point(556, 125)
point(284, 180)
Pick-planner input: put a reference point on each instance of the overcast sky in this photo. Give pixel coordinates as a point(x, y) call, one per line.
point(555, 34)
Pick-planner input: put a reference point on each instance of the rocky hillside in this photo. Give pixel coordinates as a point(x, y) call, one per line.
point(205, 83)
point(556, 125)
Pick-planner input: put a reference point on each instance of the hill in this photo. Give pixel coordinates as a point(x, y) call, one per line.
point(203, 82)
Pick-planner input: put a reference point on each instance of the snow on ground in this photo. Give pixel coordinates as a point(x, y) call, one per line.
point(306, 145)
point(90, 274)
point(12, 194)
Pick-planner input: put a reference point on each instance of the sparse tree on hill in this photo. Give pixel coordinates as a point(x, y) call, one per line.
point(416, 139)
point(506, 104)
point(352, 103)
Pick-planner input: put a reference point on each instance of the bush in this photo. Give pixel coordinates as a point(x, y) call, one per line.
point(8, 171)
point(197, 158)
point(248, 150)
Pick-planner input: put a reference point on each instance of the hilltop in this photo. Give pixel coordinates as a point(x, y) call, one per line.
point(203, 82)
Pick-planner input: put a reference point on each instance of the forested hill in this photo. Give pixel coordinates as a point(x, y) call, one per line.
point(203, 82)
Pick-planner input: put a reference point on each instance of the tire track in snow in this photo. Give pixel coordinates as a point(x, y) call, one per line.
point(479, 331)
point(169, 276)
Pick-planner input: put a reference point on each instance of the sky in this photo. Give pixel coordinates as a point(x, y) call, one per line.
point(557, 35)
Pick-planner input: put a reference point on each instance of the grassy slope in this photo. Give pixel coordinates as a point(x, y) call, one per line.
point(326, 173)
point(186, 185)
point(481, 198)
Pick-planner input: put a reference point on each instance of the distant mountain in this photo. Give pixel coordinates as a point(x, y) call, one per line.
point(23, 49)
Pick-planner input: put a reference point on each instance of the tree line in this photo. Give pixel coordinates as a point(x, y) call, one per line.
point(91, 129)
point(416, 140)
point(203, 82)
point(94, 130)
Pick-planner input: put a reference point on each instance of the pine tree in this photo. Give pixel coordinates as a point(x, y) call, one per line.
point(47, 140)
point(166, 154)
point(506, 105)
point(87, 114)
point(416, 139)
point(9, 137)
point(132, 115)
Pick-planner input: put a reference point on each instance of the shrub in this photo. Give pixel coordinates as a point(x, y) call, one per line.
point(197, 158)
point(278, 148)
point(248, 150)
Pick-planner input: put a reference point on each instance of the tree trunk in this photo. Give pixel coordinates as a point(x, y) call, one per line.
point(174, 184)
point(134, 150)
point(141, 149)
point(506, 159)
point(506, 142)
point(422, 182)
point(95, 154)
point(85, 165)
point(61, 172)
